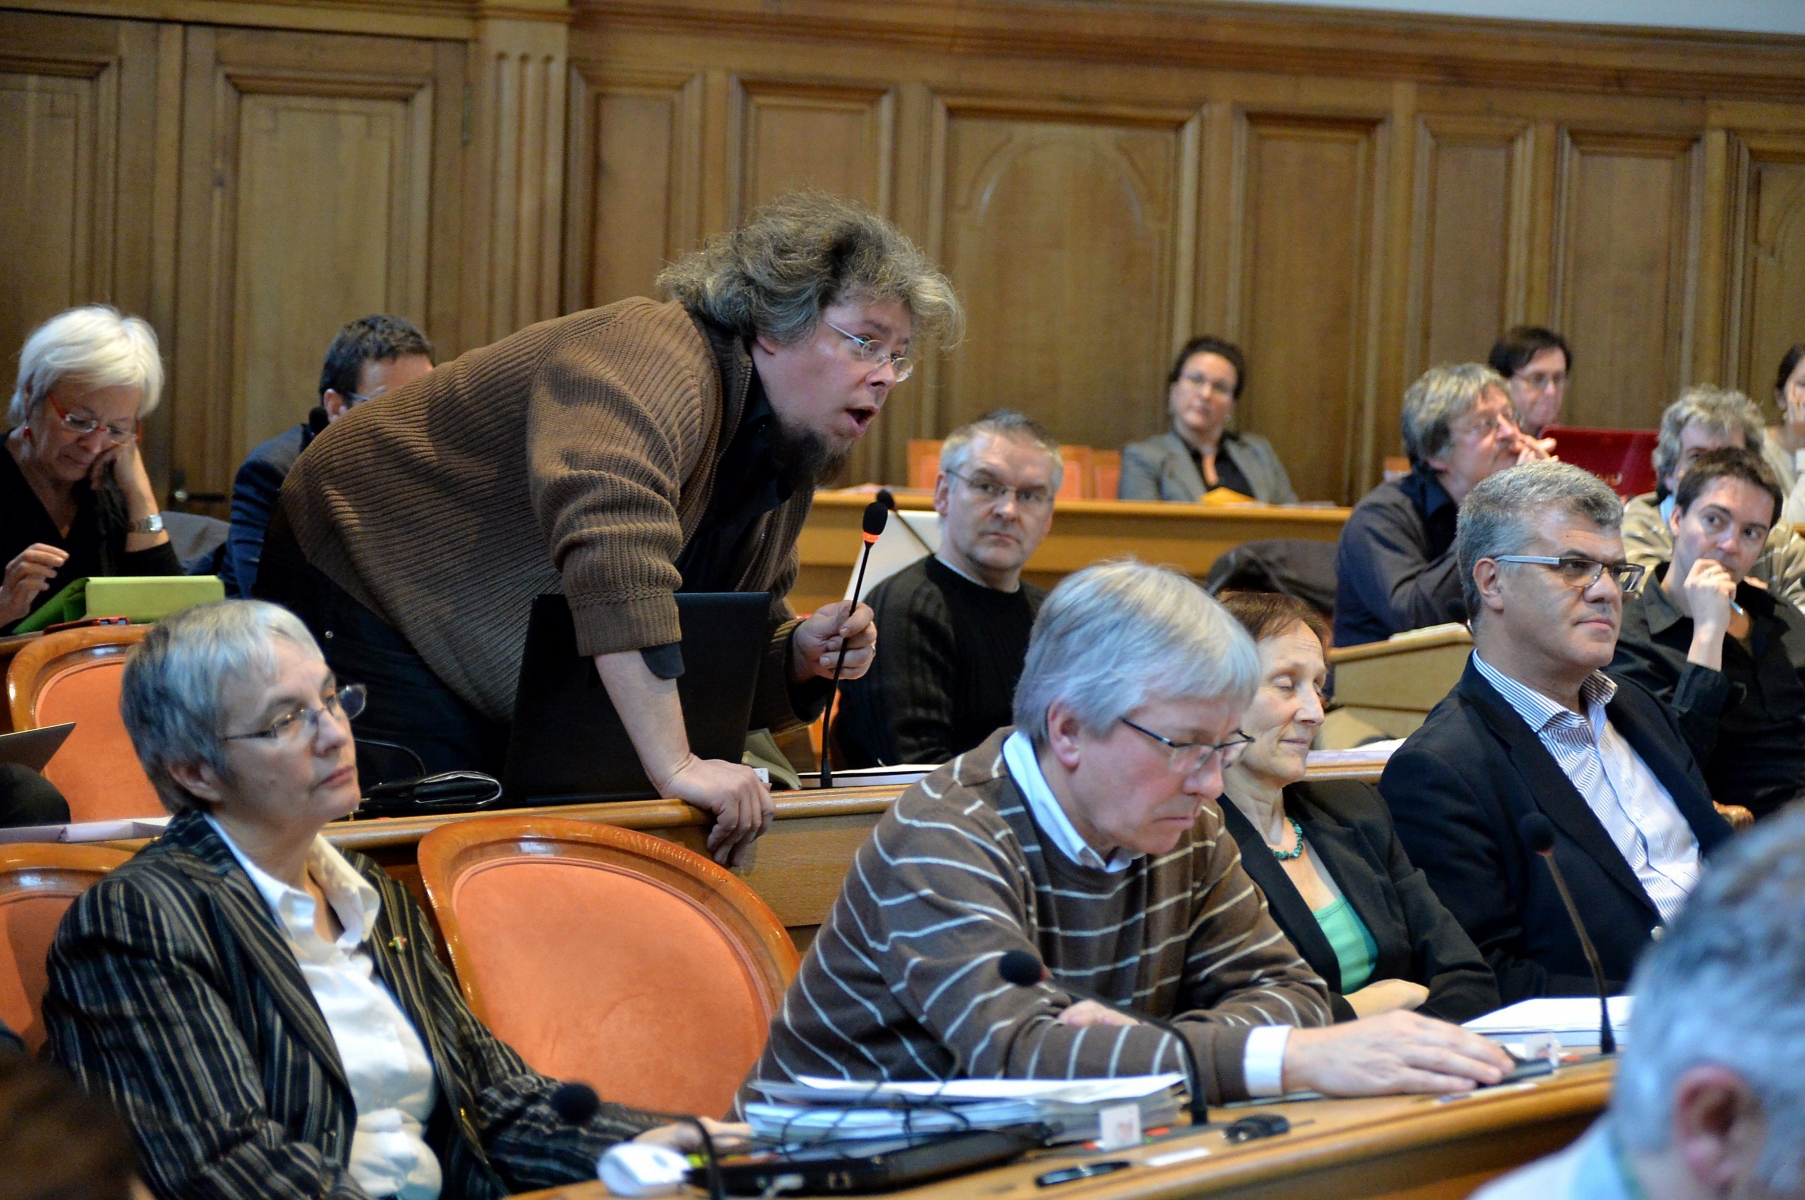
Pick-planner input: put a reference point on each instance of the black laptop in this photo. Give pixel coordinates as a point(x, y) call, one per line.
point(568, 745)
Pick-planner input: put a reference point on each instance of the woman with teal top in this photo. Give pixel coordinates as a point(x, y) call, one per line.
point(1326, 855)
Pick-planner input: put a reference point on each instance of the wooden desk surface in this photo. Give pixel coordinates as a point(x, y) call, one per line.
point(1418, 1147)
point(1188, 536)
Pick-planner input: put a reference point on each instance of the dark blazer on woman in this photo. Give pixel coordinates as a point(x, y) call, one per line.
point(1349, 827)
point(174, 994)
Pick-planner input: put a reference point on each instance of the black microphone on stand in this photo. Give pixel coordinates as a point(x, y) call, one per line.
point(888, 500)
point(873, 526)
point(1026, 970)
point(1538, 834)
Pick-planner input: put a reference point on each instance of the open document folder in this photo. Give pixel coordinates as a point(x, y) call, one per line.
point(814, 1108)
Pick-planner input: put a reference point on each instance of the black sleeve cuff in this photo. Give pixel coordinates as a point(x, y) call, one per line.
point(1341, 1009)
point(664, 661)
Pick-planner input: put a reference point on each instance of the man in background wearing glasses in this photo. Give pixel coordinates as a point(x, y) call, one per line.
point(1086, 835)
point(956, 622)
point(1535, 725)
point(1726, 656)
point(616, 456)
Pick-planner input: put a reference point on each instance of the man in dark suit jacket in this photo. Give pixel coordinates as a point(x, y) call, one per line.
point(1536, 726)
point(370, 356)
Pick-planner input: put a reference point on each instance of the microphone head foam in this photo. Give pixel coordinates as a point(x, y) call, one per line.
point(876, 515)
point(887, 498)
point(1537, 831)
point(575, 1103)
point(1020, 968)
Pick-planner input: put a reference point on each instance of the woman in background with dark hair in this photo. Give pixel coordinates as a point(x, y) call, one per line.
point(1784, 446)
point(1336, 878)
point(1200, 452)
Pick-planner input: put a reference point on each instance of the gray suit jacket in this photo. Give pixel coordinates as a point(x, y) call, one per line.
point(1161, 468)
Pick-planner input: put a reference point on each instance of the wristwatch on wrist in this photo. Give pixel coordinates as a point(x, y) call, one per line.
point(150, 524)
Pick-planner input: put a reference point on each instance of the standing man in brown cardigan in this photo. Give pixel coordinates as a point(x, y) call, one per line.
point(618, 455)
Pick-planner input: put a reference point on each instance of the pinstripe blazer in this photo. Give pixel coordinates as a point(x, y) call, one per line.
point(173, 993)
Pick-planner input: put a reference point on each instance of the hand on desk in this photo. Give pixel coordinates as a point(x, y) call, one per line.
point(815, 645)
point(1385, 996)
point(1086, 1013)
point(26, 578)
point(1396, 1052)
point(685, 1139)
point(741, 804)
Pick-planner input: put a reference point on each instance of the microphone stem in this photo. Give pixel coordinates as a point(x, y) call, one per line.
point(1607, 1038)
point(858, 585)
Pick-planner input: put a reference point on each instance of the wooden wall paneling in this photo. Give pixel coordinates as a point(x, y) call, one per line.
point(1061, 229)
point(1768, 272)
point(633, 201)
point(1469, 238)
point(516, 220)
point(305, 202)
point(79, 133)
point(1627, 236)
point(1309, 214)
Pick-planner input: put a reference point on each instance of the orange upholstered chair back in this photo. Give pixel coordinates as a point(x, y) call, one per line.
point(610, 956)
point(74, 675)
point(38, 882)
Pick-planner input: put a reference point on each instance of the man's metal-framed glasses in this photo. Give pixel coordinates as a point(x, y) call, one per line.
point(347, 702)
point(872, 353)
point(1186, 757)
point(992, 492)
point(81, 427)
point(1579, 572)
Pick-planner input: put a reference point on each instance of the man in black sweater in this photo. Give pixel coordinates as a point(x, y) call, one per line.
point(956, 623)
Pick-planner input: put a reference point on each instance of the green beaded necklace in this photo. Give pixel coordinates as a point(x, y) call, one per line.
point(1296, 851)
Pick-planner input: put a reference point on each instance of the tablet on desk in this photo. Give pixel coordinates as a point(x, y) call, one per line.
point(34, 748)
point(568, 745)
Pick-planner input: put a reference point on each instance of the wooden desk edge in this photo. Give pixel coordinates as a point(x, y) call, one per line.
point(385, 832)
point(1454, 637)
point(1136, 508)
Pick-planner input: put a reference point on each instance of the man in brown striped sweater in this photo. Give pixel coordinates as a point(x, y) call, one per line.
point(1086, 836)
point(618, 456)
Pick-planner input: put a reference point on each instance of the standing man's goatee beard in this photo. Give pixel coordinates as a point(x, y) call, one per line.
point(807, 457)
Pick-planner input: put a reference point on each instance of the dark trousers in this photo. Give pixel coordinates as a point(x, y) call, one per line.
point(408, 705)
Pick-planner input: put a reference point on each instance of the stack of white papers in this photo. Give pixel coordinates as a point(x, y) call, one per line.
point(1572, 1019)
point(814, 1108)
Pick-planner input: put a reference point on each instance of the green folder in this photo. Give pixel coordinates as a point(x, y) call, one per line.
point(138, 598)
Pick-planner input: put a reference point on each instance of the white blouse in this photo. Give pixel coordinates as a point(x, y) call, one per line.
point(385, 1061)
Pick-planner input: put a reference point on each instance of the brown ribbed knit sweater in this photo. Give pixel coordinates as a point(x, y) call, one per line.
point(902, 983)
point(577, 455)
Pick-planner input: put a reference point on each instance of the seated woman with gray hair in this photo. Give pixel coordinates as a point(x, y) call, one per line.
point(1085, 837)
point(266, 1012)
point(75, 500)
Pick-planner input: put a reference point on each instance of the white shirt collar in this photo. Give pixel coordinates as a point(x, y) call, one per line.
point(1538, 710)
point(1024, 768)
point(352, 897)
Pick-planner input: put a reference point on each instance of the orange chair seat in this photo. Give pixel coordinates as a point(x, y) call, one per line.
point(38, 883)
point(647, 981)
point(96, 770)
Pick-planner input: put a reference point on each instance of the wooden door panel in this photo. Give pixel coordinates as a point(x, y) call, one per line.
point(1627, 220)
point(1306, 207)
point(820, 136)
point(1773, 258)
point(310, 164)
point(1060, 236)
point(634, 179)
point(1469, 244)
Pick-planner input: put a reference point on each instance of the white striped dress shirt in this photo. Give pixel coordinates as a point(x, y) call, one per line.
point(1637, 812)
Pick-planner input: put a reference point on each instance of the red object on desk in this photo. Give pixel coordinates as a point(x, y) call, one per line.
point(1623, 458)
